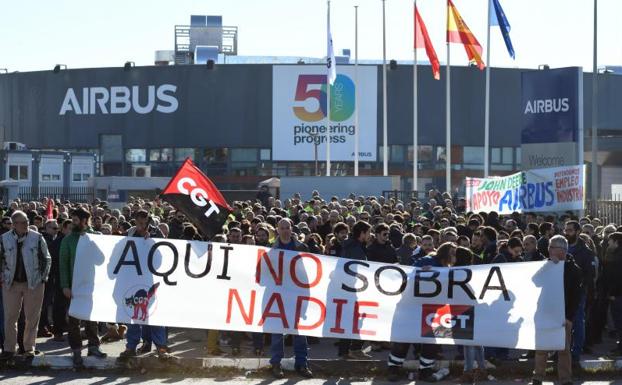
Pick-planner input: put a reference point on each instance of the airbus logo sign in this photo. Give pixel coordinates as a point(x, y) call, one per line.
point(546, 106)
point(120, 100)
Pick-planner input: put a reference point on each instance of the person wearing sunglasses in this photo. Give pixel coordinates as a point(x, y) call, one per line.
point(381, 249)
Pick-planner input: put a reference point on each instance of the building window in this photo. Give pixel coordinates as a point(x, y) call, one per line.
point(473, 155)
point(86, 177)
point(18, 172)
point(265, 154)
point(182, 153)
point(215, 155)
point(495, 155)
point(50, 177)
point(519, 155)
point(23, 172)
point(397, 154)
point(441, 154)
point(76, 177)
point(424, 154)
point(136, 155)
point(508, 155)
point(243, 154)
point(161, 155)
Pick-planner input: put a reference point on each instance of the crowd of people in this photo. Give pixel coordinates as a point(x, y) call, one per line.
point(37, 255)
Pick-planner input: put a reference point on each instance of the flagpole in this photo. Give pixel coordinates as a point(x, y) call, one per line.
point(356, 90)
point(385, 153)
point(415, 107)
point(594, 169)
point(448, 118)
point(487, 102)
point(328, 100)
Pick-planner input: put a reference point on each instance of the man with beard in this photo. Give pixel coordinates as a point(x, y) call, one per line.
point(584, 258)
point(381, 249)
point(150, 333)
point(176, 228)
point(7, 225)
point(80, 219)
point(262, 236)
point(340, 232)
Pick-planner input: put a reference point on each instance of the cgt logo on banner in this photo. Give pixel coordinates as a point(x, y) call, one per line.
point(257, 289)
point(545, 189)
point(142, 301)
point(447, 321)
point(299, 113)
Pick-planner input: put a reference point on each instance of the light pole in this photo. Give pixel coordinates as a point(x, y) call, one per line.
point(314, 135)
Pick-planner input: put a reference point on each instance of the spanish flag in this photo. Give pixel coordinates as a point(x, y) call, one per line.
point(422, 40)
point(459, 32)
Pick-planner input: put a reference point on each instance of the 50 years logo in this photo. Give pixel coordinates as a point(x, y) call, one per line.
point(314, 87)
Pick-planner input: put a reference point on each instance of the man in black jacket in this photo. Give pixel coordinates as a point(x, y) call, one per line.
point(558, 251)
point(489, 241)
point(356, 246)
point(382, 250)
point(585, 259)
point(546, 232)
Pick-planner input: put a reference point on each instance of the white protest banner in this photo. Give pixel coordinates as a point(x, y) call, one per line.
point(255, 289)
point(545, 189)
point(299, 113)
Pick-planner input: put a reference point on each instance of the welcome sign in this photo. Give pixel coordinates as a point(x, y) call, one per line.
point(547, 189)
point(220, 286)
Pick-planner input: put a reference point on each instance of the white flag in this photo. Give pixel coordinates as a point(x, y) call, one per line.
point(330, 55)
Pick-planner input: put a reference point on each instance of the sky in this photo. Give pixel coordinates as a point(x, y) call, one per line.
point(37, 34)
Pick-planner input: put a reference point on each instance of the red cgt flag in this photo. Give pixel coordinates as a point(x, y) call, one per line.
point(422, 40)
point(194, 194)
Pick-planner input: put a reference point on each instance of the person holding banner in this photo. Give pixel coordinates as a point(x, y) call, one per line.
point(135, 331)
point(354, 248)
point(573, 280)
point(444, 257)
point(67, 256)
point(285, 241)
